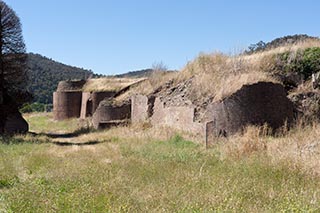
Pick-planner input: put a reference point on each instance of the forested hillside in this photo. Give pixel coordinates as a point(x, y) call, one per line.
point(136, 74)
point(45, 73)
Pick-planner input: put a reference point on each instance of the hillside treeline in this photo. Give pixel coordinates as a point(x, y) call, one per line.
point(45, 74)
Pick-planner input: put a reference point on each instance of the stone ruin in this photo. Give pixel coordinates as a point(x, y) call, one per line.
point(67, 100)
point(111, 114)
point(70, 101)
point(253, 104)
point(256, 104)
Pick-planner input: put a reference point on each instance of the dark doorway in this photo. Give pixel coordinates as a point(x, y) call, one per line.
point(89, 108)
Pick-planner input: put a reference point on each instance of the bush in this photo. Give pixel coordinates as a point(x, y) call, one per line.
point(33, 107)
point(305, 62)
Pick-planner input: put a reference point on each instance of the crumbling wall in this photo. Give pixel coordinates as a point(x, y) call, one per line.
point(139, 108)
point(66, 104)
point(97, 97)
point(256, 104)
point(91, 101)
point(142, 108)
point(178, 117)
point(108, 114)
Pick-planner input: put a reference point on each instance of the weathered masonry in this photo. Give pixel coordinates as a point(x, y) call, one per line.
point(255, 104)
point(81, 99)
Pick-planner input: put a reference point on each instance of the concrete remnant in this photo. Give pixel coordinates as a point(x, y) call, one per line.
point(178, 117)
point(73, 99)
point(256, 104)
point(90, 102)
point(66, 105)
point(108, 114)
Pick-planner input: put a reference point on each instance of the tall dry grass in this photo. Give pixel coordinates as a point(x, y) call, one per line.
point(298, 148)
point(220, 75)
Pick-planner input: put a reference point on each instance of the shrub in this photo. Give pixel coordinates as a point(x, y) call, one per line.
point(33, 107)
point(305, 62)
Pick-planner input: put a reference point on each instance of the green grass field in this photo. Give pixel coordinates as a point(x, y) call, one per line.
point(126, 171)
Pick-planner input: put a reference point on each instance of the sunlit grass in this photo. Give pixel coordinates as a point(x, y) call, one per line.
point(134, 170)
point(44, 122)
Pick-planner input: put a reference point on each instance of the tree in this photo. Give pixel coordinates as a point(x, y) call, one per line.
point(13, 60)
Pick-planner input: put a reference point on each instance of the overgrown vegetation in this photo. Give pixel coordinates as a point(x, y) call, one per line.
point(35, 107)
point(134, 169)
point(304, 61)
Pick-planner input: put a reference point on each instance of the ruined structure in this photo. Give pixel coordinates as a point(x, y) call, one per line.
point(67, 99)
point(82, 99)
point(110, 114)
point(256, 104)
point(90, 102)
point(174, 106)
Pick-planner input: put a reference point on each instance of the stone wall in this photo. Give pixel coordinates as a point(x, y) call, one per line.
point(141, 108)
point(90, 102)
point(66, 105)
point(108, 114)
point(256, 104)
point(178, 117)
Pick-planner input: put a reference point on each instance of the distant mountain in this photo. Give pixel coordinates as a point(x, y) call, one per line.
point(136, 74)
point(279, 42)
point(45, 74)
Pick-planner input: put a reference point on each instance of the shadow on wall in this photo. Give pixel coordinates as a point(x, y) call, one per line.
point(255, 104)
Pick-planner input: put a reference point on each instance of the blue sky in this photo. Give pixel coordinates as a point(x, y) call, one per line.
point(116, 36)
